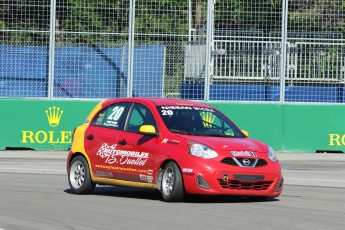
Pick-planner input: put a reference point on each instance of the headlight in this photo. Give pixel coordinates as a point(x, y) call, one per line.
point(271, 154)
point(200, 150)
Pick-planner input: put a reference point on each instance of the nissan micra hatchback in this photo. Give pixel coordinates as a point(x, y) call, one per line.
point(175, 146)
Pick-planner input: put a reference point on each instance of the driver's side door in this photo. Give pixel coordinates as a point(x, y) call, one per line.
point(138, 150)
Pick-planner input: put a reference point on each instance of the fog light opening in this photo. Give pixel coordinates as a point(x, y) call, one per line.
point(202, 182)
point(280, 186)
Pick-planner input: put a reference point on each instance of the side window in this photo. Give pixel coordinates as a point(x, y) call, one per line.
point(140, 115)
point(98, 120)
point(112, 116)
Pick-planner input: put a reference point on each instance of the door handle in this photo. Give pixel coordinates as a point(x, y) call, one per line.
point(90, 137)
point(122, 142)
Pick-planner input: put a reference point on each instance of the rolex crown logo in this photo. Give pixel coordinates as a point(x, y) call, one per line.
point(54, 115)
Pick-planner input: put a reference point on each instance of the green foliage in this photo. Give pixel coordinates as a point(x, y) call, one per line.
point(2, 24)
point(172, 83)
point(161, 17)
point(78, 21)
point(245, 15)
point(317, 15)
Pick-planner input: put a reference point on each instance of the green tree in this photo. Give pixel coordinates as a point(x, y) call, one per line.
point(317, 15)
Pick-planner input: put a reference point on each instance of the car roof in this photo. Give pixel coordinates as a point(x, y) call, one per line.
point(157, 101)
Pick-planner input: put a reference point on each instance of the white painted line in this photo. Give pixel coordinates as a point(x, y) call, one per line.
point(321, 180)
point(29, 169)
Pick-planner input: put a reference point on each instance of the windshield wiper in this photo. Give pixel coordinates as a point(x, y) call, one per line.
point(218, 135)
point(180, 131)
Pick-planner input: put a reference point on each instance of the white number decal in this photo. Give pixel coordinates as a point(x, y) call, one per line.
point(167, 112)
point(116, 114)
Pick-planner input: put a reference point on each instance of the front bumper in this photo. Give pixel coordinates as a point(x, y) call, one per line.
point(223, 179)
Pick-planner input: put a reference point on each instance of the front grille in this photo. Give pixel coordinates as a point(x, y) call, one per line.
point(253, 162)
point(229, 161)
point(239, 185)
point(261, 162)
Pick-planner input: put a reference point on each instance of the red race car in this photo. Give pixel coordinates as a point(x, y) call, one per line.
point(172, 145)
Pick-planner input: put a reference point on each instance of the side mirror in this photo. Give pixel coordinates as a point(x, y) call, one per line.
point(245, 133)
point(148, 130)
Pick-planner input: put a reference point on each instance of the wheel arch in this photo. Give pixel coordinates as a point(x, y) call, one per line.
point(74, 155)
point(160, 172)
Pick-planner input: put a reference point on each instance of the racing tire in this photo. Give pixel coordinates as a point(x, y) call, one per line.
point(79, 176)
point(172, 188)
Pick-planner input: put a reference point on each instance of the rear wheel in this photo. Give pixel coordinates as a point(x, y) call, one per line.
point(172, 188)
point(79, 176)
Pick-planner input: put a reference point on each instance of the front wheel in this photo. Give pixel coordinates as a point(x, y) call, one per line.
point(172, 188)
point(79, 176)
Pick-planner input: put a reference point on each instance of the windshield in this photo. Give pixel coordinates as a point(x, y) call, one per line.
point(199, 121)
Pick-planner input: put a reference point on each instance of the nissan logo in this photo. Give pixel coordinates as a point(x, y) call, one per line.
point(246, 162)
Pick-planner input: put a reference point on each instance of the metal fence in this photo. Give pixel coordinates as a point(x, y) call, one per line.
point(231, 50)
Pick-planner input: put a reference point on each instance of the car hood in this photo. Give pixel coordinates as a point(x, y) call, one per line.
point(231, 144)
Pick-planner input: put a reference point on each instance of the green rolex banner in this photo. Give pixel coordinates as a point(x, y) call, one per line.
point(49, 124)
point(41, 124)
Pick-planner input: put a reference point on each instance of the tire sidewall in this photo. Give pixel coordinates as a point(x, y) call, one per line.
point(88, 185)
point(177, 192)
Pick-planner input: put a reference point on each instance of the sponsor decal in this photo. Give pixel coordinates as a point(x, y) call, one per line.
point(104, 174)
point(336, 139)
point(119, 168)
point(243, 154)
point(53, 115)
point(113, 119)
point(146, 178)
point(187, 172)
point(169, 110)
point(208, 119)
point(175, 107)
point(174, 142)
point(100, 119)
point(251, 178)
point(111, 155)
point(225, 178)
point(167, 141)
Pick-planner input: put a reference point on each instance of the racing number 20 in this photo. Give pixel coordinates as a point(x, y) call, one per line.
point(167, 112)
point(116, 114)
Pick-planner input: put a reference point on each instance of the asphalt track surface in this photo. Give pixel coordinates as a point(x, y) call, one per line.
point(35, 194)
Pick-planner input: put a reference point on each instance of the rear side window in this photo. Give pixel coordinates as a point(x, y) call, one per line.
point(112, 116)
